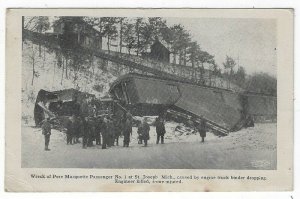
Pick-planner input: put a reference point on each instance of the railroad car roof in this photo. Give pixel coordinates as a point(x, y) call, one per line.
point(136, 75)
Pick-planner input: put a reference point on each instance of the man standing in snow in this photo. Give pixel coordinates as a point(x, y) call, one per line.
point(104, 132)
point(77, 127)
point(46, 131)
point(84, 133)
point(145, 131)
point(69, 131)
point(117, 130)
point(139, 132)
point(160, 130)
point(84, 113)
point(127, 131)
point(202, 129)
point(98, 129)
point(90, 131)
point(110, 132)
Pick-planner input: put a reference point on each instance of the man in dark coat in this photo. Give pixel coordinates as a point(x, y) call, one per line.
point(98, 129)
point(84, 132)
point(91, 131)
point(77, 128)
point(84, 113)
point(127, 131)
point(104, 132)
point(202, 129)
point(110, 131)
point(139, 132)
point(117, 130)
point(46, 131)
point(69, 131)
point(145, 132)
point(160, 130)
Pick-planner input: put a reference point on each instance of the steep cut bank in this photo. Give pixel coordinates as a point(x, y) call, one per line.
point(50, 71)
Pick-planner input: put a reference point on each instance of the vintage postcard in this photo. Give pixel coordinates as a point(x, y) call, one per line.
point(149, 100)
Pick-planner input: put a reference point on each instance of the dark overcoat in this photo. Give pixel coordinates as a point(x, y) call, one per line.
point(145, 131)
point(160, 127)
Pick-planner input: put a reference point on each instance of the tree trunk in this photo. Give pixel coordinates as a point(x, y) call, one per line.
point(197, 72)
point(40, 50)
point(76, 70)
point(194, 70)
point(100, 35)
point(54, 65)
point(66, 68)
point(121, 35)
point(230, 77)
point(201, 73)
point(44, 56)
point(40, 47)
point(174, 58)
point(138, 44)
point(209, 75)
point(33, 71)
point(62, 74)
point(184, 57)
point(180, 54)
point(108, 44)
point(91, 65)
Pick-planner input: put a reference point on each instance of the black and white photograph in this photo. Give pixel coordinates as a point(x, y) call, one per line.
point(149, 93)
point(149, 100)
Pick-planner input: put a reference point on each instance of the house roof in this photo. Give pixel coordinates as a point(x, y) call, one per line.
point(76, 20)
point(157, 42)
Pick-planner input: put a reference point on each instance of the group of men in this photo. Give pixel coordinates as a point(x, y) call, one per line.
point(103, 131)
point(106, 130)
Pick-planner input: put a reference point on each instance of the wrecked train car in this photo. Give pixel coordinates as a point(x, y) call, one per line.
point(62, 104)
point(58, 103)
point(224, 110)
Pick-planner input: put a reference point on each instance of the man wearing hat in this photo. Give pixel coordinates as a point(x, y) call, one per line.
point(46, 131)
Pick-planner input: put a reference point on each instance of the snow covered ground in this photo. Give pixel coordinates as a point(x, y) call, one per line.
point(251, 148)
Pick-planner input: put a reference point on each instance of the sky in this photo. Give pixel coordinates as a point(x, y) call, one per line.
point(251, 42)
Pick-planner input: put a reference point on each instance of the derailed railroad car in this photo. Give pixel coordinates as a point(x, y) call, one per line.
point(224, 110)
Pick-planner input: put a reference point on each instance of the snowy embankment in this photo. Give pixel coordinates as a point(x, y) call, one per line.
point(252, 148)
point(94, 77)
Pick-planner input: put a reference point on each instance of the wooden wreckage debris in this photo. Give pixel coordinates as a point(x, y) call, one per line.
point(58, 104)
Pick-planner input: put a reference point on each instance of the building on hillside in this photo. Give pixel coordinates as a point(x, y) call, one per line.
point(159, 52)
point(75, 31)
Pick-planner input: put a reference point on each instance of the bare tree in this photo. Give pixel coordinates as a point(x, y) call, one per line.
point(33, 57)
point(121, 22)
point(138, 23)
point(110, 29)
point(129, 35)
point(229, 64)
point(40, 24)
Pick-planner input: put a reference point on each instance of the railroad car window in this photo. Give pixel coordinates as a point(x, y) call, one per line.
point(173, 89)
point(173, 92)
